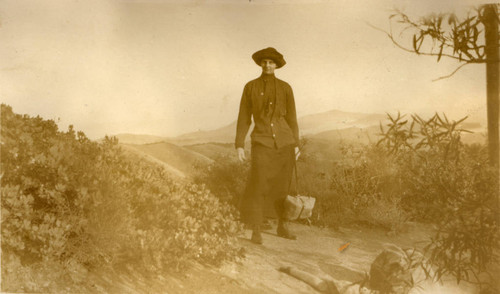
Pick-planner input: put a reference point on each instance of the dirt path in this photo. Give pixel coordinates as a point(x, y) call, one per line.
point(315, 251)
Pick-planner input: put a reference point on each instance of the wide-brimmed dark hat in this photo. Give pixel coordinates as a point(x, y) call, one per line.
point(269, 53)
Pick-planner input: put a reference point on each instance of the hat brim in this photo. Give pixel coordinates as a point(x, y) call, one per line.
point(267, 54)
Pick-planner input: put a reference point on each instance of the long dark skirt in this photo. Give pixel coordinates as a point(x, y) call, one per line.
point(270, 175)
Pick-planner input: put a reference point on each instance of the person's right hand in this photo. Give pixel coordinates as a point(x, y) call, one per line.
point(241, 154)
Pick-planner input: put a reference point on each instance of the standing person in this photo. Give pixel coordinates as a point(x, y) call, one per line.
point(275, 141)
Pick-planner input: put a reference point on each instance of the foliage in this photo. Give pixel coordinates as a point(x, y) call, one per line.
point(75, 202)
point(314, 180)
point(357, 188)
point(453, 36)
point(226, 177)
point(419, 171)
point(190, 224)
point(446, 34)
point(451, 185)
point(353, 189)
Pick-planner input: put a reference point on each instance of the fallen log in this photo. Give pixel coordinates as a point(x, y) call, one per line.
point(322, 285)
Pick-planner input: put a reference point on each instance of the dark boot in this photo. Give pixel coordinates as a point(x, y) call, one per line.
point(283, 230)
point(256, 236)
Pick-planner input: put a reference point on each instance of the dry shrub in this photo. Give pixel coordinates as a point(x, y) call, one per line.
point(69, 201)
point(451, 185)
point(226, 178)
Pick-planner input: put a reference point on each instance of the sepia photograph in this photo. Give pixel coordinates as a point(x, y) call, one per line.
point(250, 146)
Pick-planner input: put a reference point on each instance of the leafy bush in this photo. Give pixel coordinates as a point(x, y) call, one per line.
point(420, 170)
point(366, 175)
point(314, 176)
point(358, 187)
point(226, 177)
point(75, 202)
point(189, 224)
point(449, 184)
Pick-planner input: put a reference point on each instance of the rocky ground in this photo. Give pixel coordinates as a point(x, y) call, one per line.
point(315, 252)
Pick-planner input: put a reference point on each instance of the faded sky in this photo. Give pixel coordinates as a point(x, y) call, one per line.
point(170, 67)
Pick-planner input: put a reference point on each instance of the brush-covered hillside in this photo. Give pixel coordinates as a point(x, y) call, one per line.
point(324, 135)
point(80, 216)
point(71, 206)
point(182, 161)
point(214, 150)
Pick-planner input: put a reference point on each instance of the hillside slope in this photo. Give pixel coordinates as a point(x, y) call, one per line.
point(338, 120)
point(350, 135)
point(330, 125)
point(139, 139)
point(177, 159)
point(213, 150)
point(129, 149)
point(309, 125)
point(224, 134)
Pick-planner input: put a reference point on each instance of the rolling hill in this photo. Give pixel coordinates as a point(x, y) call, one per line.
point(349, 135)
point(213, 150)
point(221, 135)
point(337, 120)
point(324, 134)
point(309, 125)
point(139, 139)
point(177, 159)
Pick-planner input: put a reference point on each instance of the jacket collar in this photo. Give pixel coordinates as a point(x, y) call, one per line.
point(267, 78)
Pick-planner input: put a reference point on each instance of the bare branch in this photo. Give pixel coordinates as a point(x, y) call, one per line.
point(451, 74)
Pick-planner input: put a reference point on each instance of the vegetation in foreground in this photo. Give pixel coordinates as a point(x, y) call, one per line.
point(70, 204)
point(419, 171)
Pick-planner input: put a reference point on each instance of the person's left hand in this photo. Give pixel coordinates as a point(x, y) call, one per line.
point(297, 153)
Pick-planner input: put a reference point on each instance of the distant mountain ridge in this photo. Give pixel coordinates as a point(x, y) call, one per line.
point(336, 120)
point(327, 124)
point(324, 133)
point(224, 134)
point(309, 125)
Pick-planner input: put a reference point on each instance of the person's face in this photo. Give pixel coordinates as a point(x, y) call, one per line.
point(268, 66)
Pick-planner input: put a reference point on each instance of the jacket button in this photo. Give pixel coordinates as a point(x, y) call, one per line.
point(274, 135)
point(261, 93)
point(272, 124)
point(270, 103)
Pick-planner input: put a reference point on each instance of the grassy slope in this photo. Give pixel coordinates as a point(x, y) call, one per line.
point(176, 157)
point(213, 150)
point(139, 139)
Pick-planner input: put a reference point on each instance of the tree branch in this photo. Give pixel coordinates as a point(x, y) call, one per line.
point(391, 37)
point(451, 74)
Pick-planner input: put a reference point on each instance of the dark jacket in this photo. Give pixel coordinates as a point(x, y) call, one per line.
point(270, 101)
